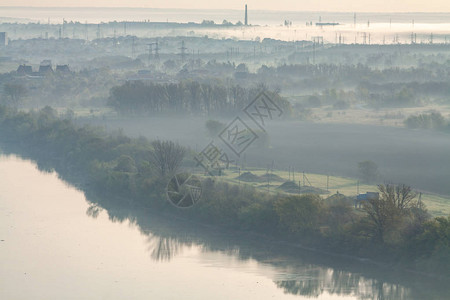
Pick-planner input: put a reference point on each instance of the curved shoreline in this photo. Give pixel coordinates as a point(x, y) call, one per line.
point(80, 167)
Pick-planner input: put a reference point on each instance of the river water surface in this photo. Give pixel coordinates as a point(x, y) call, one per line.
point(57, 245)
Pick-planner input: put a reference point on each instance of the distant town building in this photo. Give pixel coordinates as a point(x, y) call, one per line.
point(46, 62)
point(3, 39)
point(241, 71)
point(62, 68)
point(45, 67)
point(24, 70)
point(365, 197)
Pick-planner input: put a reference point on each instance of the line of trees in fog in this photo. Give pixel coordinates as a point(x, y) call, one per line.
point(433, 120)
point(134, 173)
point(87, 88)
point(188, 97)
point(335, 84)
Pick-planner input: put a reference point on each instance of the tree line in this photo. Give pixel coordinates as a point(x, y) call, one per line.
point(394, 227)
point(187, 97)
point(433, 120)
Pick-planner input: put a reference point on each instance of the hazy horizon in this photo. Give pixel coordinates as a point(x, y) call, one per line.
point(227, 9)
point(364, 6)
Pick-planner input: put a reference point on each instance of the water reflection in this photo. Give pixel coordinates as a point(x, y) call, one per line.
point(163, 249)
point(297, 271)
point(347, 284)
point(93, 211)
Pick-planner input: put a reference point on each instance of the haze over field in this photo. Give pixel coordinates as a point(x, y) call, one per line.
point(176, 150)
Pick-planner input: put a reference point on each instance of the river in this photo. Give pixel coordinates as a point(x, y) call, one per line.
point(56, 244)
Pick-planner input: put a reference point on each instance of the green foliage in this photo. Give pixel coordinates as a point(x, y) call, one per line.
point(259, 216)
point(432, 246)
point(15, 91)
point(433, 120)
point(214, 127)
point(125, 163)
point(299, 213)
point(120, 169)
point(339, 214)
point(189, 97)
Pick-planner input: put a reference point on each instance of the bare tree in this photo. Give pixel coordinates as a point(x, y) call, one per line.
point(401, 196)
point(167, 156)
point(386, 211)
point(380, 214)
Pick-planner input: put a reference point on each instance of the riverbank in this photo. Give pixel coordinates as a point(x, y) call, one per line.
point(89, 158)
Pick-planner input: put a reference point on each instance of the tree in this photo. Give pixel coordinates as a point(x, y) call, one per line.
point(299, 213)
point(431, 247)
point(242, 68)
point(15, 91)
point(386, 212)
point(166, 156)
point(401, 196)
point(368, 171)
point(426, 121)
point(214, 127)
point(126, 164)
point(170, 65)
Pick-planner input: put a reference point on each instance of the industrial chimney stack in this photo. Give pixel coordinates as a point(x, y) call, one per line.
point(246, 19)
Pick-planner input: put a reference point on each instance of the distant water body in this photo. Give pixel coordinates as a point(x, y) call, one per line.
point(256, 17)
point(352, 28)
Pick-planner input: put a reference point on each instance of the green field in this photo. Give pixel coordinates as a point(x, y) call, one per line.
point(437, 205)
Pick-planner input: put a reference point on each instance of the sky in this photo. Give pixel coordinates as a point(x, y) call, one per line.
point(288, 5)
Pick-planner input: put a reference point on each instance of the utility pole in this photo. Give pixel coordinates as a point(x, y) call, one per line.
point(314, 52)
point(86, 30)
point(150, 52)
point(183, 52)
point(156, 50)
point(98, 31)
